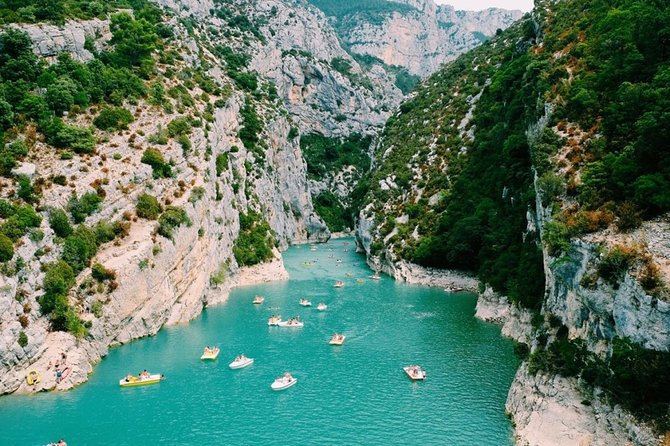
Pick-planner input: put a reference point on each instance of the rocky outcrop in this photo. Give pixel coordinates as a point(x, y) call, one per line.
point(301, 57)
point(51, 40)
point(515, 321)
point(550, 410)
point(425, 37)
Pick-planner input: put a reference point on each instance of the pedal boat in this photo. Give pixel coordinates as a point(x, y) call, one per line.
point(240, 362)
point(295, 323)
point(321, 307)
point(273, 321)
point(337, 339)
point(134, 381)
point(210, 354)
point(259, 300)
point(284, 382)
point(305, 303)
point(415, 372)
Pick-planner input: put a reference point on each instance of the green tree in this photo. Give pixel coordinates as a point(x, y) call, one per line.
point(60, 223)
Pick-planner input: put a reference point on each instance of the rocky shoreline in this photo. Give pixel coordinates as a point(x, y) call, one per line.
point(74, 358)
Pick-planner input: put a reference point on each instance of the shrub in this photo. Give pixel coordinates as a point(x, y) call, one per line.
point(101, 274)
point(6, 248)
point(23, 339)
point(7, 209)
point(221, 163)
point(113, 118)
point(172, 218)
point(82, 207)
point(79, 248)
point(96, 308)
point(179, 126)
point(148, 207)
point(58, 280)
point(60, 223)
point(154, 158)
point(615, 264)
point(196, 194)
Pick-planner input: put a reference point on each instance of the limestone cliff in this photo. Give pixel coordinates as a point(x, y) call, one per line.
point(496, 165)
point(421, 37)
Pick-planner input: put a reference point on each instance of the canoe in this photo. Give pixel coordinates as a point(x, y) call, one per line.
point(33, 377)
point(212, 354)
point(283, 383)
point(241, 363)
point(135, 381)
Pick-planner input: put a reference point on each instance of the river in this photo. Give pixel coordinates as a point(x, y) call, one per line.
point(355, 394)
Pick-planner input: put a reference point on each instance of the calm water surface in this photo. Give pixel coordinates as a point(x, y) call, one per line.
point(356, 394)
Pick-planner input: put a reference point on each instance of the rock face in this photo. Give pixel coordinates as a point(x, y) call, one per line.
point(423, 38)
point(550, 410)
point(50, 40)
point(301, 55)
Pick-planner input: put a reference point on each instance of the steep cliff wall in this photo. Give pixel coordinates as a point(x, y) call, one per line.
point(422, 37)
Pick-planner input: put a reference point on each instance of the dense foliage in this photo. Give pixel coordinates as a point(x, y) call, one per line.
point(255, 242)
point(329, 155)
point(619, 51)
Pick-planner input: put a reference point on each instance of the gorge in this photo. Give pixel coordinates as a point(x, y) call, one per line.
point(194, 141)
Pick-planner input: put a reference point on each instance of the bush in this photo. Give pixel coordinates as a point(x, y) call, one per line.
point(6, 248)
point(148, 207)
point(60, 223)
point(79, 248)
point(196, 194)
point(84, 206)
point(154, 158)
point(221, 163)
point(101, 274)
point(58, 280)
point(615, 264)
point(113, 118)
point(23, 339)
point(172, 218)
point(179, 126)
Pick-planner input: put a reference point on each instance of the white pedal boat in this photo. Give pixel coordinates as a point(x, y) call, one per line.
point(321, 307)
point(337, 339)
point(305, 303)
point(291, 323)
point(240, 362)
point(415, 372)
point(284, 382)
point(273, 321)
point(259, 300)
point(210, 353)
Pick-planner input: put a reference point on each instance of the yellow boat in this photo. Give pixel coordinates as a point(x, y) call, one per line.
point(33, 377)
point(210, 353)
point(134, 381)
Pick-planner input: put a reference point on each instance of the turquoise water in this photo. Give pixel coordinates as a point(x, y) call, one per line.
point(356, 394)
